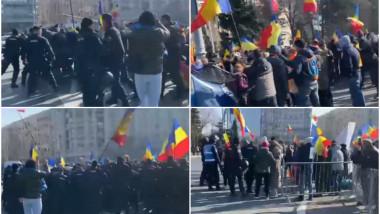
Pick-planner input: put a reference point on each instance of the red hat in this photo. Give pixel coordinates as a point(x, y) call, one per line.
point(265, 144)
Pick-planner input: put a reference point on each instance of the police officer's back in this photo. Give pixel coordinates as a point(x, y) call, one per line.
point(11, 52)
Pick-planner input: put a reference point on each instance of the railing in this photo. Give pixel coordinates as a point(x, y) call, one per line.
point(316, 178)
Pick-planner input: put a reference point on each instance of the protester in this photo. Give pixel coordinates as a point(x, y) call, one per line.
point(276, 150)
point(350, 67)
point(262, 90)
point(324, 91)
point(306, 169)
point(248, 152)
point(146, 57)
point(233, 166)
point(264, 161)
point(337, 168)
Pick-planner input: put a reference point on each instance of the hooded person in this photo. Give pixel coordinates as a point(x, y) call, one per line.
point(325, 57)
point(337, 167)
point(146, 52)
point(233, 166)
point(280, 74)
point(305, 74)
point(263, 161)
point(277, 152)
point(350, 67)
point(262, 90)
point(248, 152)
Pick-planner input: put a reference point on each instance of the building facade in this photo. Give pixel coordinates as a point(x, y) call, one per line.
point(18, 14)
point(76, 132)
point(275, 121)
point(332, 122)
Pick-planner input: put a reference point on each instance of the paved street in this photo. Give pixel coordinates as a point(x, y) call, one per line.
point(204, 201)
point(69, 94)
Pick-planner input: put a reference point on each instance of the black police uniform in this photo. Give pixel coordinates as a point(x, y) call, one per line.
point(116, 54)
point(38, 52)
point(233, 168)
point(172, 61)
point(88, 55)
point(11, 56)
point(248, 152)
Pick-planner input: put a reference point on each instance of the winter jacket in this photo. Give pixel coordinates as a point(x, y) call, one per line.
point(304, 153)
point(36, 49)
point(324, 75)
point(146, 48)
point(300, 72)
point(263, 160)
point(173, 43)
point(337, 156)
point(349, 63)
point(280, 74)
point(114, 45)
point(30, 182)
point(260, 80)
point(233, 160)
point(12, 46)
point(370, 159)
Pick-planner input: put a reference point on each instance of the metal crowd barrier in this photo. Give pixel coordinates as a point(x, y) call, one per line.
point(366, 187)
point(316, 178)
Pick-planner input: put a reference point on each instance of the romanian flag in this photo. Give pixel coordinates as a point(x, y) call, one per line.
point(366, 131)
point(250, 133)
point(163, 156)
point(290, 128)
point(226, 54)
point(310, 6)
point(239, 116)
point(100, 12)
point(63, 162)
point(320, 144)
point(115, 12)
point(228, 143)
point(355, 140)
point(21, 110)
point(33, 153)
point(375, 134)
point(247, 45)
point(208, 11)
point(270, 35)
point(148, 153)
point(318, 37)
point(235, 47)
point(315, 118)
point(335, 36)
point(298, 36)
point(178, 142)
point(355, 22)
point(295, 140)
point(120, 135)
point(273, 6)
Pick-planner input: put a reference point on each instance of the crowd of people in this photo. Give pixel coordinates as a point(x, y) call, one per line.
point(142, 55)
point(123, 186)
point(300, 75)
point(275, 164)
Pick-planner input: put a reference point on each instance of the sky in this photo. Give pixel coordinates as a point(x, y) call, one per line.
point(10, 115)
point(214, 115)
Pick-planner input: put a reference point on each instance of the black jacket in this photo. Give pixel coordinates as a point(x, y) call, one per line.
point(173, 43)
point(280, 74)
point(12, 46)
point(264, 161)
point(114, 45)
point(36, 50)
point(146, 48)
point(30, 183)
point(300, 72)
point(350, 62)
point(232, 161)
point(304, 153)
point(90, 48)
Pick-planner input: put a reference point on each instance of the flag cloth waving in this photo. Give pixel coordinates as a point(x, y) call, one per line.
point(270, 35)
point(178, 142)
point(148, 153)
point(239, 116)
point(290, 129)
point(163, 155)
point(100, 12)
point(355, 22)
point(120, 135)
point(247, 45)
point(208, 11)
point(310, 6)
point(115, 12)
point(250, 133)
point(33, 153)
point(298, 36)
point(228, 143)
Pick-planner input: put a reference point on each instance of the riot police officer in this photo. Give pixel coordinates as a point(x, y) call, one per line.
point(116, 54)
point(88, 55)
point(210, 160)
point(173, 46)
point(248, 152)
point(57, 184)
point(11, 56)
point(37, 54)
point(234, 167)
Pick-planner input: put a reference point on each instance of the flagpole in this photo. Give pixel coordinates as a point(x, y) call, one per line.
point(35, 142)
point(233, 21)
point(109, 141)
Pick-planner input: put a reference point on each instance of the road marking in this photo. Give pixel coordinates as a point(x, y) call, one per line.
point(301, 209)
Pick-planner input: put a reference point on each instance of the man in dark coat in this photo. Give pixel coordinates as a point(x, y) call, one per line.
point(11, 56)
point(248, 152)
point(233, 166)
point(280, 75)
point(116, 54)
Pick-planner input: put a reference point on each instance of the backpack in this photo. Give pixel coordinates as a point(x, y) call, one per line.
point(313, 68)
